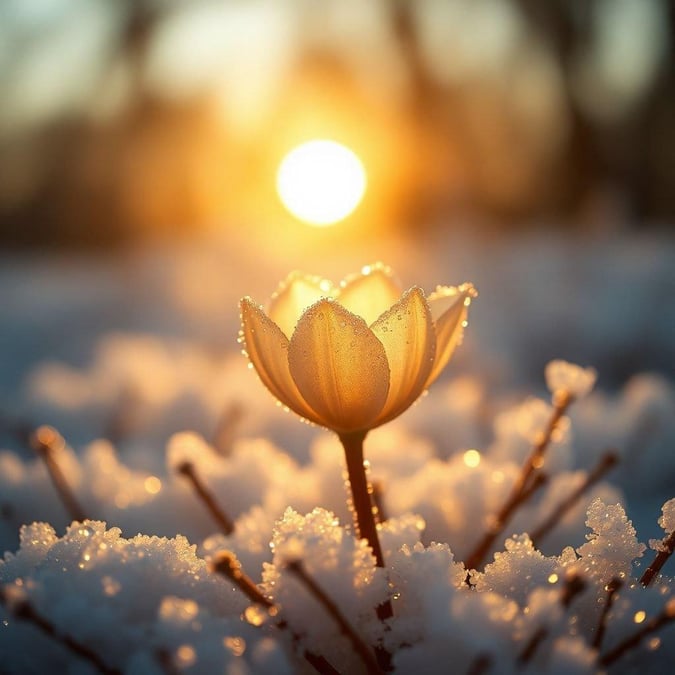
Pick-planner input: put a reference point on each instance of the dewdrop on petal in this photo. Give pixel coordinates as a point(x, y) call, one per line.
point(562, 376)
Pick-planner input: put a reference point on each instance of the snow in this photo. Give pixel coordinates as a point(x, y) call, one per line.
point(612, 546)
point(667, 520)
point(141, 382)
point(562, 376)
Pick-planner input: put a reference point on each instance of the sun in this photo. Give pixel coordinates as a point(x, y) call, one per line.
point(321, 182)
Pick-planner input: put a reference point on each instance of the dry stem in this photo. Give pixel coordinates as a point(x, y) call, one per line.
point(607, 462)
point(612, 587)
point(227, 564)
point(660, 559)
point(46, 441)
point(362, 504)
point(376, 495)
point(666, 616)
point(225, 523)
point(360, 647)
point(561, 402)
point(24, 610)
point(574, 584)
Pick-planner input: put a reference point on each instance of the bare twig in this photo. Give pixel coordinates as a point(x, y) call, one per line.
point(667, 547)
point(22, 609)
point(226, 564)
point(165, 662)
point(360, 647)
point(480, 665)
point(225, 523)
point(608, 461)
point(666, 616)
point(46, 442)
point(561, 402)
point(573, 585)
point(532, 645)
point(376, 496)
point(612, 587)
point(226, 428)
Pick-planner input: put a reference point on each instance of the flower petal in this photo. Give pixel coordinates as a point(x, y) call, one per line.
point(294, 296)
point(449, 308)
point(339, 366)
point(370, 293)
point(407, 333)
point(267, 348)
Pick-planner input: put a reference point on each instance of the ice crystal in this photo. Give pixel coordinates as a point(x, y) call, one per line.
point(341, 565)
point(667, 520)
point(612, 546)
point(518, 570)
point(92, 578)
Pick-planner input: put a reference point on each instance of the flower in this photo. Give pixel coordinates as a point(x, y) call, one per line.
point(352, 357)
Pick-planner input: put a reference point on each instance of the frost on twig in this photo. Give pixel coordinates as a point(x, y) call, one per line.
point(612, 546)
point(664, 547)
point(567, 382)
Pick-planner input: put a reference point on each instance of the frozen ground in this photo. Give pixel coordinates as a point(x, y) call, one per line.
point(121, 353)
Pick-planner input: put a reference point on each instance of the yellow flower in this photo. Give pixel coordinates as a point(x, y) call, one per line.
point(353, 357)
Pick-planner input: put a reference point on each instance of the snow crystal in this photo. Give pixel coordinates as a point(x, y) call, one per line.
point(424, 578)
point(613, 545)
point(342, 566)
point(568, 377)
point(92, 579)
point(667, 520)
point(516, 571)
point(400, 531)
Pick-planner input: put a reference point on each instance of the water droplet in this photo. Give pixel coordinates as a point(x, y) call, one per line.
point(186, 656)
point(236, 645)
point(255, 615)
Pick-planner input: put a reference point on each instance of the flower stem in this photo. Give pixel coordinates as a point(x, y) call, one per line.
point(363, 508)
point(361, 500)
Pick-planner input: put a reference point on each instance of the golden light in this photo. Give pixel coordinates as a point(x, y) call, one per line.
point(472, 458)
point(321, 182)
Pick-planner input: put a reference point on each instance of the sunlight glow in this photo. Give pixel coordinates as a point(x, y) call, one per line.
point(321, 182)
point(472, 458)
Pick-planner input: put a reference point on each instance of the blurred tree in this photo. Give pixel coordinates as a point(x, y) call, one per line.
point(155, 162)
